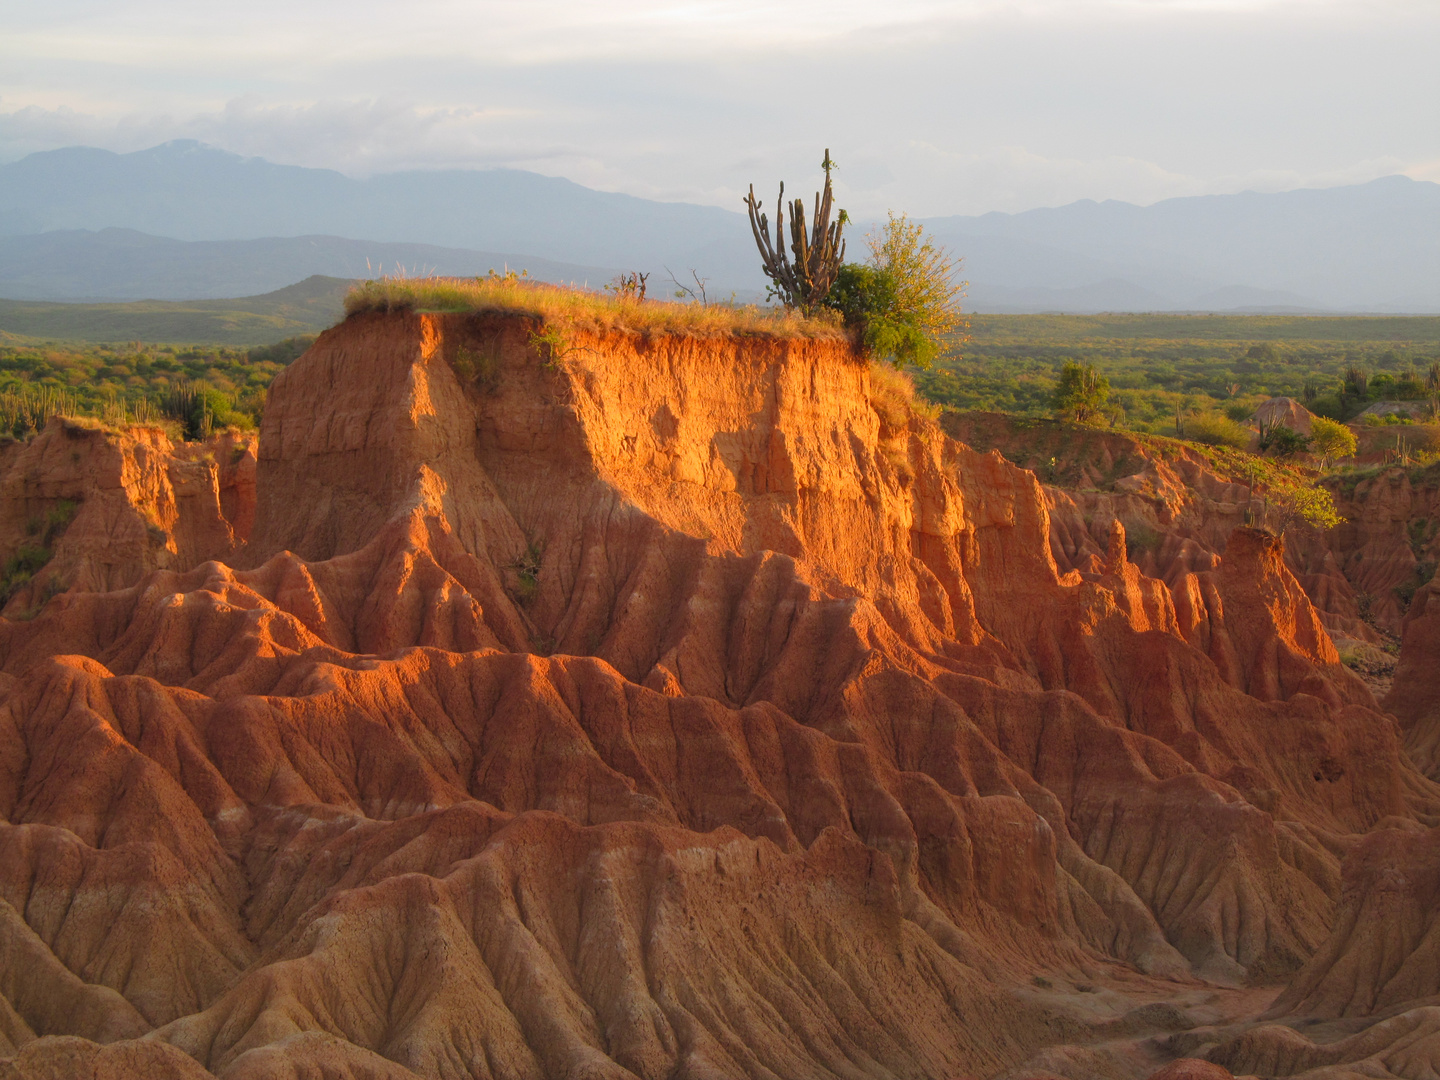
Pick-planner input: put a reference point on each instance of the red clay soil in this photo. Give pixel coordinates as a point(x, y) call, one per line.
point(670, 710)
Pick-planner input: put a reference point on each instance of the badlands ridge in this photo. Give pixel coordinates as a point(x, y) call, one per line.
point(685, 708)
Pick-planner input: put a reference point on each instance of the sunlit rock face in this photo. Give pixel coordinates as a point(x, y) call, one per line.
point(678, 707)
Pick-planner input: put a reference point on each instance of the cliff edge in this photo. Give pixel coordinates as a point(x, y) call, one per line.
point(652, 704)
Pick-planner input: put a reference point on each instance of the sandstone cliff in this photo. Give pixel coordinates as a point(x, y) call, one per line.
point(665, 705)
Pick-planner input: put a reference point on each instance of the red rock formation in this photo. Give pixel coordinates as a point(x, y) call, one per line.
point(114, 505)
point(1284, 412)
point(1179, 511)
point(665, 710)
point(1415, 699)
point(1384, 949)
point(1193, 1069)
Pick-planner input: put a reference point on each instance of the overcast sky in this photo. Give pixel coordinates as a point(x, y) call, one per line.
point(929, 107)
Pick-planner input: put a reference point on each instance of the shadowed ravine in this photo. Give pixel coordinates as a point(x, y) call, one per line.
point(677, 709)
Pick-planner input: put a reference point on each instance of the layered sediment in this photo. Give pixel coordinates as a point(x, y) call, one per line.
point(662, 705)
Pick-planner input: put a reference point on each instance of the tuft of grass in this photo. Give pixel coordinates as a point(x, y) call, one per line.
point(893, 397)
point(581, 309)
point(1216, 429)
point(20, 569)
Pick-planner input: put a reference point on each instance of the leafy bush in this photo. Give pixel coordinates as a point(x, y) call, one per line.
point(867, 300)
point(1386, 419)
point(202, 410)
point(905, 300)
point(1329, 406)
point(1330, 439)
point(1282, 441)
point(1217, 430)
point(1295, 500)
point(1080, 391)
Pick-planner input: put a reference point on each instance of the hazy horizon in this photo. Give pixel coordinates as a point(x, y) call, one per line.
point(930, 108)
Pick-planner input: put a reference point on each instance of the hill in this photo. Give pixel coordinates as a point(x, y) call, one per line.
point(122, 264)
point(306, 307)
point(1365, 247)
point(191, 192)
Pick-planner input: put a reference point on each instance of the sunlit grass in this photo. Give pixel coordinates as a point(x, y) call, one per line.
point(581, 309)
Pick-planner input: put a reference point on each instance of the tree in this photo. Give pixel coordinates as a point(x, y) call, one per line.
point(1284, 440)
point(905, 301)
point(1081, 391)
point(1295, 500)
point(1331, 440)
point(803, 278)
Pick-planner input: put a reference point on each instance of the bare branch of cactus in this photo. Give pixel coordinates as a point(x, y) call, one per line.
point(803, 277)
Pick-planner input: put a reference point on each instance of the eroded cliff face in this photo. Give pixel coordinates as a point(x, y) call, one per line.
point(105, 507)
point(1359, 575)
point(658, 706)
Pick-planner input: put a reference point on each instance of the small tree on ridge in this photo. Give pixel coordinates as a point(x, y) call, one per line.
point(905, 300)
point(1080, 392)
point(1331, 439)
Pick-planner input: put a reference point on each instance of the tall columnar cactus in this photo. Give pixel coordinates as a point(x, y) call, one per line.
point(801, 278)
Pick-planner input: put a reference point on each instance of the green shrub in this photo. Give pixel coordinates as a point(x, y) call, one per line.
point(904, 302)
point(1283, 441)
point(1329, 406)
point(1215, 429)
point(1080, 392)
point(1330, 439)
point(20, 568)
point(866, 298)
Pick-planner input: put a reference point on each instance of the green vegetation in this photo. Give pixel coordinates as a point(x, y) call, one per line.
point(1297, 499)
point(1281, 440)
point(304, 308)
point(1164, 367)
point(904, 303)
point(803, 283)
point(32, 556)
point(1080, 393)
point(1331, 439)
point(1217, 429)
point(198, 388)
point(574, 308)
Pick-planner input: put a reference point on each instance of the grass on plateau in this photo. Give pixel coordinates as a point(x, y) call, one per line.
point(581, 309)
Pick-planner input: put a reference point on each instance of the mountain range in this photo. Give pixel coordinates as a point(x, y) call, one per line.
point(184, 221)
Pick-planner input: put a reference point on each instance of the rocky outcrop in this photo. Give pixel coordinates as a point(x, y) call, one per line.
point(1385, 947)
point(1284, 412)
point(660, 706)
point(98, 509)
point(1179, 508)
point(1415, 699)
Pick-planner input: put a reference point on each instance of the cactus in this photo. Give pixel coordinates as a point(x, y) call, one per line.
point(803, 277)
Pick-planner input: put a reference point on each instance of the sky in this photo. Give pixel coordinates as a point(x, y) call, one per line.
point(930, 108)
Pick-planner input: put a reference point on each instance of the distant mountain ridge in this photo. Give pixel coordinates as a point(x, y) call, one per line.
point(192, 192)
point(122, 264)
point(1366, 247)
point(1373, 246)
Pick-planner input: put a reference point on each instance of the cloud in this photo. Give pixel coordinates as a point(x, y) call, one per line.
point(932, 107)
